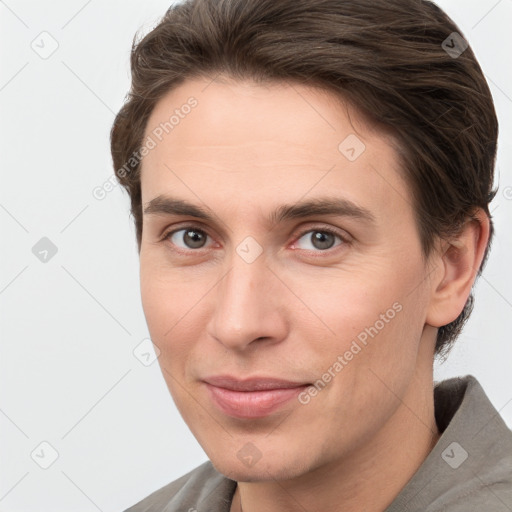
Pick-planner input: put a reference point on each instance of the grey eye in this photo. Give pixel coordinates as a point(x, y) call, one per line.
point(190, 237)
point(319, 240)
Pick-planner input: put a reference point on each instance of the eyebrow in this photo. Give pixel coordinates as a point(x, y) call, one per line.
point(166, 205)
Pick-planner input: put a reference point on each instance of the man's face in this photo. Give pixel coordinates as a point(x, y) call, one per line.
point(337, 299)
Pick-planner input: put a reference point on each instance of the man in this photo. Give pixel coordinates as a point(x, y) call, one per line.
point(310, 183)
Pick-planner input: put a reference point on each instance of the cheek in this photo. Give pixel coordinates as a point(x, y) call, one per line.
point(166, 294)
point(381, 304)
point(345, 304)
point(156, 296)
point(164, 301)
point(175, 311)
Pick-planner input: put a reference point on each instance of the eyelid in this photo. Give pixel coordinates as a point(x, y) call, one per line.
point(190, 225)
point(345, 238)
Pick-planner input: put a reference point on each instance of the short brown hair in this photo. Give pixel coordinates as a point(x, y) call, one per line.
point(387, 58)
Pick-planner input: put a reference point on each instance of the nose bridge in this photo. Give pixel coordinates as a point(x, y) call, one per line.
point(242, 310)
point(240, 294)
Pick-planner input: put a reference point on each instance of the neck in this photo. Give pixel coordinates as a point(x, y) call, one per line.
point(368, 478)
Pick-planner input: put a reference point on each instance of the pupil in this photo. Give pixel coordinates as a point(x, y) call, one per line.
point(319, 240)
point(195, 237)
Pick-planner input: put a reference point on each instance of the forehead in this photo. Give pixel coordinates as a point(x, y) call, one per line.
point(288, 115)
point(278, 140)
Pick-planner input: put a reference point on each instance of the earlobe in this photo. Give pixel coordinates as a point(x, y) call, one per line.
point(459, 261)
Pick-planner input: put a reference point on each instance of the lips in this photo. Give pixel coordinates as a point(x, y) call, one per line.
point(252, 384)
point(251, 398)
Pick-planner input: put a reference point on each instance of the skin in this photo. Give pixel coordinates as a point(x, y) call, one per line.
point(243, 151)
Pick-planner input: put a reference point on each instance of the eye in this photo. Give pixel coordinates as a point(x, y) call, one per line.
point(316, 240)
point(319, 239)
point(187, 238)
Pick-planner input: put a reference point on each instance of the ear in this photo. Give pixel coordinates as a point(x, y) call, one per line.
point(458, 263)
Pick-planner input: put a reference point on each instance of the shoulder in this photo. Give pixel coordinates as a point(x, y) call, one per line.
point(475, 453)
point(470, 467)
point(203, 484)
point(480, 493)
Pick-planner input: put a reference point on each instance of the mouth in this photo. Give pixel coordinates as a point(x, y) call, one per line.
point(251, 398)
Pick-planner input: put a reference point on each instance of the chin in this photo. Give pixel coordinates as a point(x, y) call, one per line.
point(273, 468)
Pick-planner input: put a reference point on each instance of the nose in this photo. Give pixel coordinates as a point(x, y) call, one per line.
point(249, 306)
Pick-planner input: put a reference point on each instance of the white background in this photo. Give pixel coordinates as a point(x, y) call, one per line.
point(68, 375)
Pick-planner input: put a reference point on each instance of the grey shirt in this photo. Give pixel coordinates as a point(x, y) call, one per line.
point(469, 469)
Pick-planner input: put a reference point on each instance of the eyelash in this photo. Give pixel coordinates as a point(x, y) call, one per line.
point(320, 229)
